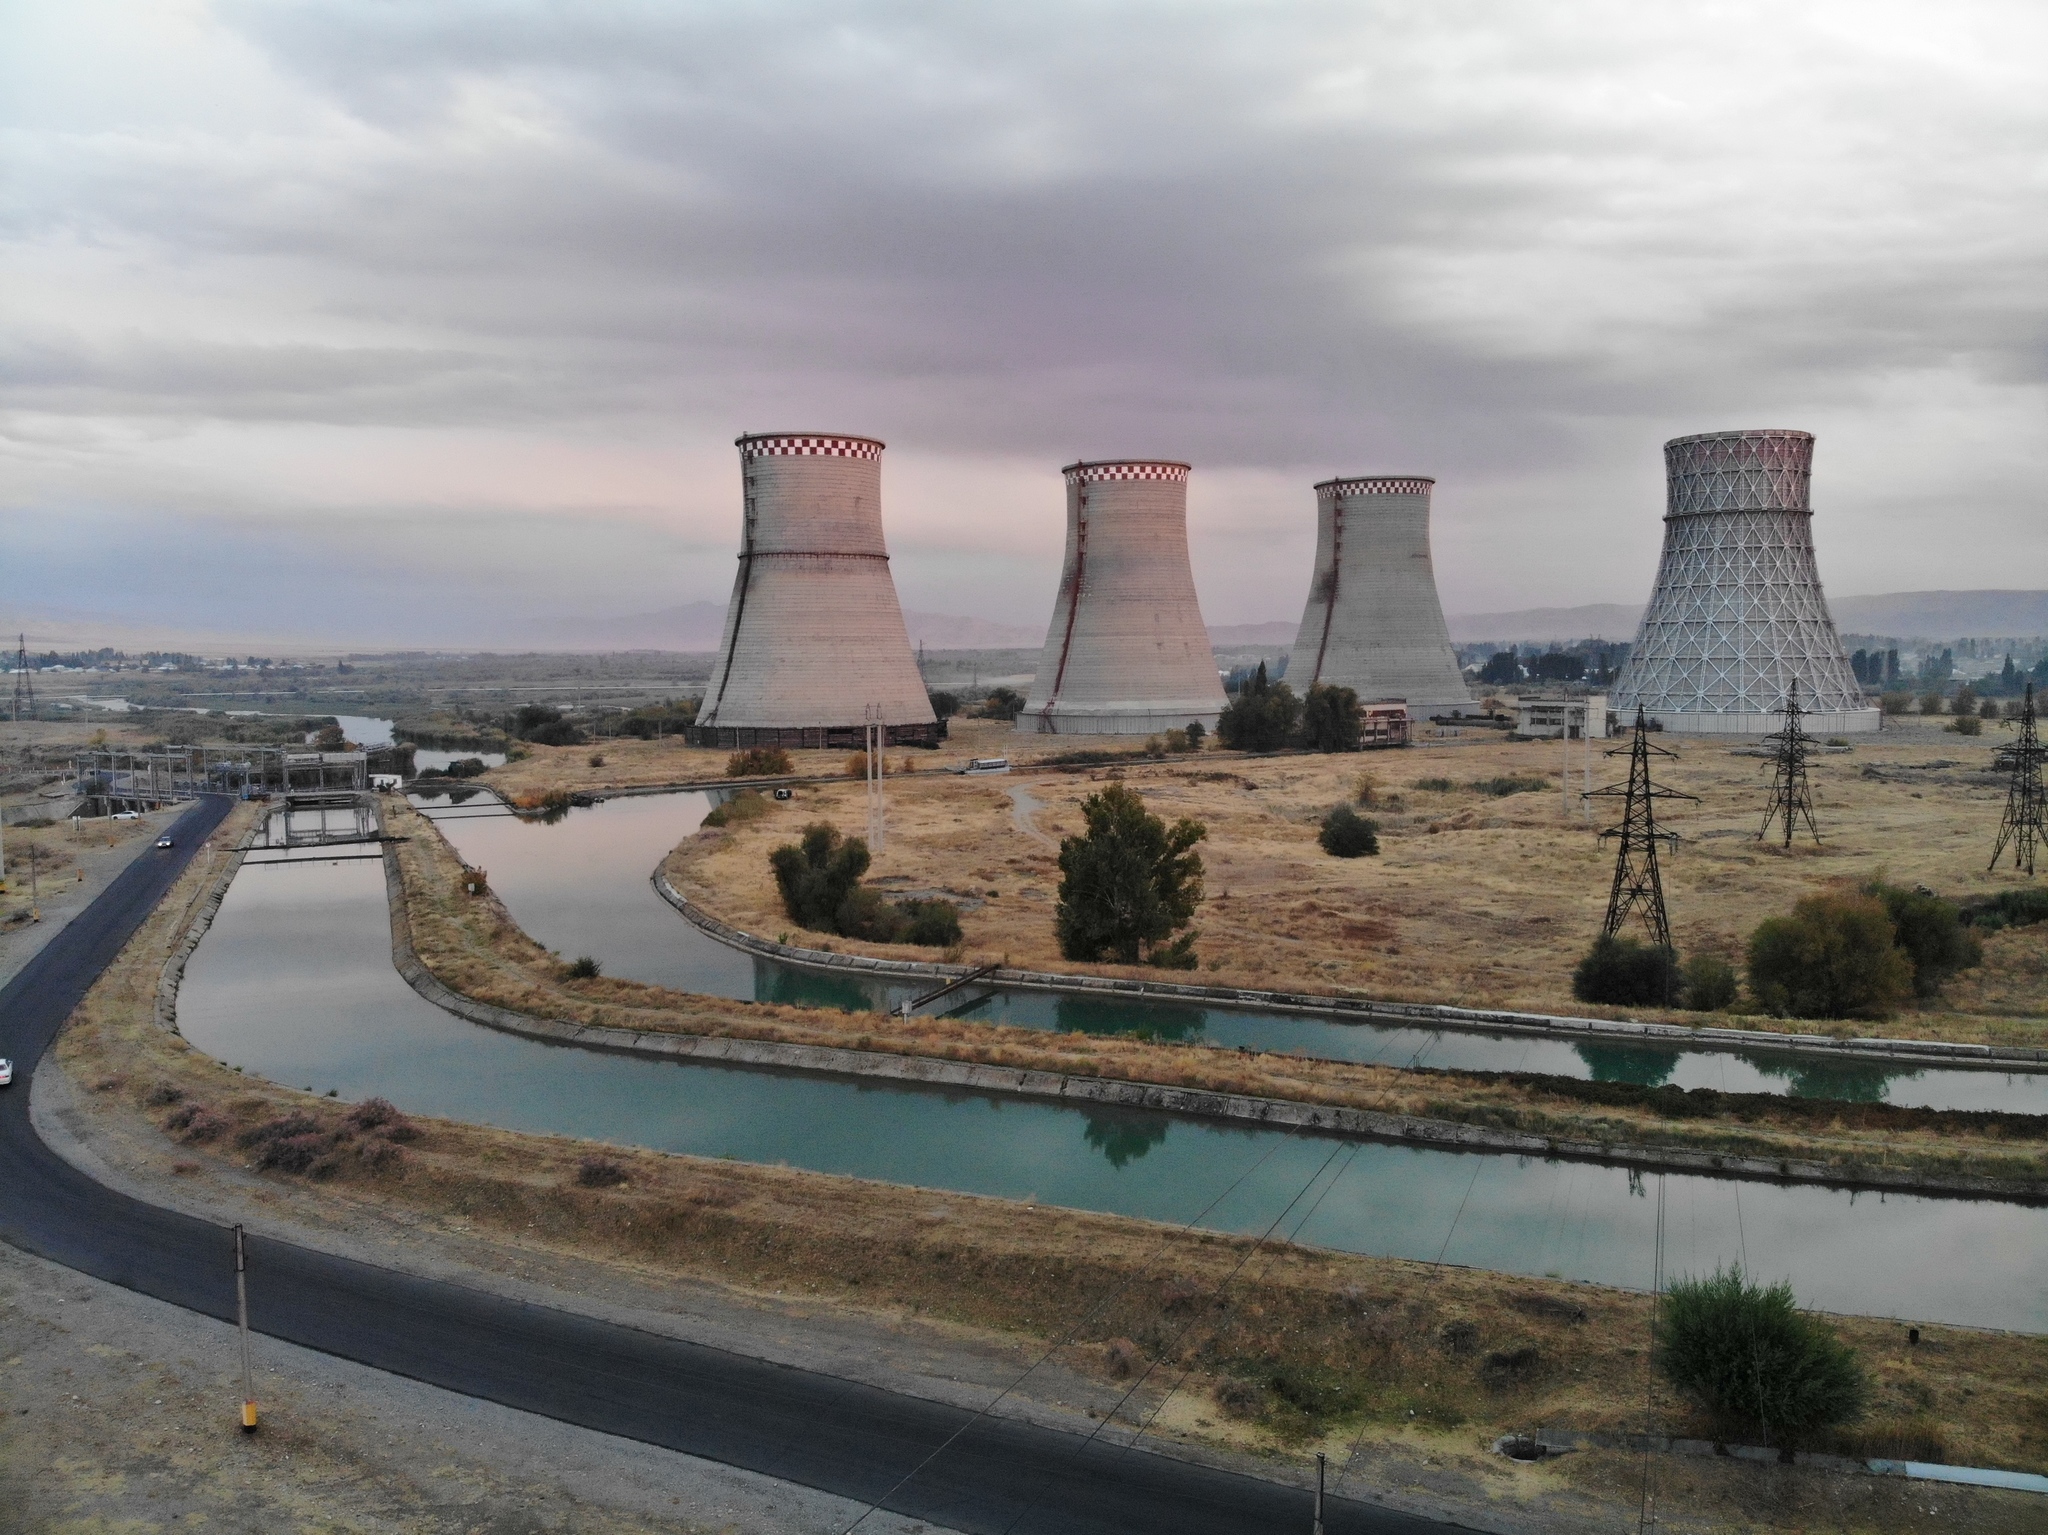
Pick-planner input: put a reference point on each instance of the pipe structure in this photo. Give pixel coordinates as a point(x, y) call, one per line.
point(1373, 622)
point(1126, 652)
point(814, 645)
point(1737, 615)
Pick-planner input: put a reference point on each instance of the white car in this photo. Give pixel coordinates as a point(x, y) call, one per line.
point(6, 1071)
point(165, 842)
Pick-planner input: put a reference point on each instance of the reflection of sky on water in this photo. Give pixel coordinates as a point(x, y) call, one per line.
point(295, 982)
point(581, 886)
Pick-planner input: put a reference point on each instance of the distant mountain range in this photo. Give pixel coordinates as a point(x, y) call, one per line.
point(1901, 615)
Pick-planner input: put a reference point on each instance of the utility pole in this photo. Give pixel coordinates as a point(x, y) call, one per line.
point(2022, 827)
point(1638, 885)
point(242, 1312)
point(876, 735)
point(1321, 1461)
point(1791, 796)
point(24, 682)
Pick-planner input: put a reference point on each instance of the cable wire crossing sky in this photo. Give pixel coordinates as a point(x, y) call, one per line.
point(436, 324)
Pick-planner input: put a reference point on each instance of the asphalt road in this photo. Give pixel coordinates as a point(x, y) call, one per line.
point(856, 1441)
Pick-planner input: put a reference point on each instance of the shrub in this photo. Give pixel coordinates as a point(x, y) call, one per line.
point(1331, 720)
point(1930, 703)
point(1128, 883)
point(935, 924)
point(1262, 718)
point(600, 1172)
point(944, 705)
point(1501, 788)
point(1197, 734)
point(1832, 958)
point(1896, 703)
point(816, 874)
point(597, 759)
point(161, 1093)
point(583, 968)
point(1754, 1361)
point(2009, 908)
point(466, 767)
point(1966, 725)
point(866, 915)
point(747, 805)
point(1709, 983)
point(1930, 931)
point(1002, 704)
point(759, 762)
point(1366, 791)
point(475, 881)
point(1347, 834)
point(1434, 785)
point(1623, 972)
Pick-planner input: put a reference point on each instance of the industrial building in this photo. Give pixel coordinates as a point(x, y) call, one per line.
point(1126, 653)
point(1738, 613)
point(1373, 622)
point(814, 637)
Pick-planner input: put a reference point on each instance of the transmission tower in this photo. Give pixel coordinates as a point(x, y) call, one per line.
point(2022, 826)
point(1791, 796)
point(24, 682)
point(1638, 886)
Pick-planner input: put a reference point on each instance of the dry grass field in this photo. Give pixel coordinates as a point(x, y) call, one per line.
point(1476, 899)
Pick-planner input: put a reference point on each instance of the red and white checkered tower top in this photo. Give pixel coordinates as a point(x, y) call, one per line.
point(813, 633)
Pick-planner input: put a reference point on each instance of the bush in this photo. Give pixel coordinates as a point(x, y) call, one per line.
point(583, 968)
point(466, 767)
point(816, 875)
point(2009, 908)
point(1331, 720)
point(1366, 791)
point(1754, 1361)
point(1930, 932)
point(1501, 788)
point(600, 1172)
point(1434, 785)
point(1930, 703)
point(1197, 734)
point(1896, 703)
point(597, 759)
point(1262, 718)
point(866, 915)
point(1966, 725)
point(475, 881)
point(1347, 834)
point(1128, 883)
point(944, 705)
point(747, 805)
point(1832, 958)
point(759, 762)
point(1709, 983)
point(1002, 704)
point(1623, 972)
point(935, 924)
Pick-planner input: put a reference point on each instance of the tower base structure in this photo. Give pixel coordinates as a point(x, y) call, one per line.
point(1136, 719)
point(810, 737)
point(1821, 722)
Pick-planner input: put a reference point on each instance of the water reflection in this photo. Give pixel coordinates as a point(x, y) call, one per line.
point(1110, 1015)
point(1628, 1063)
point(1122, 1138)
point(1847, 1081)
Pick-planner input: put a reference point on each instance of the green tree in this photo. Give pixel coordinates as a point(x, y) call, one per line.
point(1761, 1366)
point(945, 705)
point(1331, 720)
point(1709, 983)
point(1262, 718)
point(816, 875)
point(1833, 957)
point(1930, 932)
point(1002, 704)
point(1623, 972)
point(1128, 884)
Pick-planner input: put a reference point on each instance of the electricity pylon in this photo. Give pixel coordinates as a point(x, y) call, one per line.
point(24, 683)
point(1638, 885)
point(2022, 827)
point(1791, 796)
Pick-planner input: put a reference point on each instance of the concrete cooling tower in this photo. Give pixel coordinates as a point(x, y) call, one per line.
point(813, 635)
point(1126, 653)
point(1373, 622)
point(1737, 613)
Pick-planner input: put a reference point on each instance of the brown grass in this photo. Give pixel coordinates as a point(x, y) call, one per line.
point(1475, 900)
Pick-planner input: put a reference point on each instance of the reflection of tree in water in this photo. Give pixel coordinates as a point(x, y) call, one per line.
point(1104, 1015)
point(1628, 1063)
point(802, 988)
point(1846, 1081)
point(1125, 1137)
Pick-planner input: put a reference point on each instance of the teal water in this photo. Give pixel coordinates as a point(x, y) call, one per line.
point(294, 982)
point(580, 885)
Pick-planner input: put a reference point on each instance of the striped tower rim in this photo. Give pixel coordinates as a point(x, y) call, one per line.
point(1376, 485)
point(1091, 471)
point(808, 445)
point(1748, 434)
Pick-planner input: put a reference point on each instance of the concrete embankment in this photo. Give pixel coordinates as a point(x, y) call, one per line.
point(1274, 1113)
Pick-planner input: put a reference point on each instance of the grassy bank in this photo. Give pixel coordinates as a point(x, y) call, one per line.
point(473, 945)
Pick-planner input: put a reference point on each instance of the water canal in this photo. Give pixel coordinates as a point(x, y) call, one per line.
point(294, 982)
point(579, 885)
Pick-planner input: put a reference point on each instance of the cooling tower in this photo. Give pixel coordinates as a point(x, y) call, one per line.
point(1373, 622)
point(1126, 653)
point(1738, 612)
point(813, 634)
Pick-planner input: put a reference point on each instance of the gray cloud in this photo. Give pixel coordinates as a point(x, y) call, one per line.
point(1512, 246)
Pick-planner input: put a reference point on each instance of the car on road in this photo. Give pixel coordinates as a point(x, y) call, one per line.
point(165, 842)
point(6, 1071)
point(127, 815)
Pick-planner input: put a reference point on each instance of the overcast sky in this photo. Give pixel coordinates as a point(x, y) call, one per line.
point(391, 320)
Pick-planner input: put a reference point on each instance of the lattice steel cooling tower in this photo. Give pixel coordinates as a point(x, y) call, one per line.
point(1373, 622)
point(1738, 612)
point(813, 634)
point(1126, 653)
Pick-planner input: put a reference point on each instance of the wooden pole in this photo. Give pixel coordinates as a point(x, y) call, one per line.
point(242, 1311)
point(1321, 1461)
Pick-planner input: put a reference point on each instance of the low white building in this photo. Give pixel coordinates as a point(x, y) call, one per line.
point(1549, 718)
